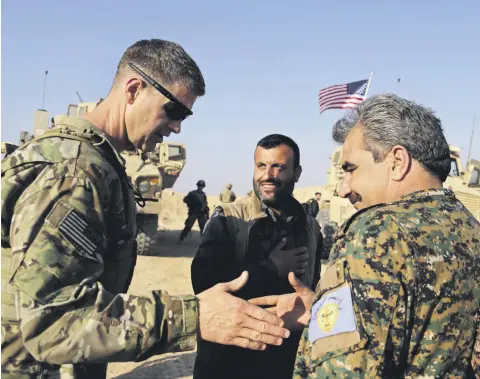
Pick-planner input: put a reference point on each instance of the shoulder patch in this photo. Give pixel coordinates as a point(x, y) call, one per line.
point(85, 238)
point(332, 314)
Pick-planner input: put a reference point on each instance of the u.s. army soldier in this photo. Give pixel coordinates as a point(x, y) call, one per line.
point(68, 232)
point(399, 294)
point(227, 195)
point(198, 210)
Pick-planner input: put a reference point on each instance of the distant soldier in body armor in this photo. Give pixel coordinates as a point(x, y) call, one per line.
point(322, 216)
point(227, 195)
point(312, 206)
point(197, 210)
point(312, 209)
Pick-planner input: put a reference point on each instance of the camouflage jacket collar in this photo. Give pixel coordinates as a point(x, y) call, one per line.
point(413, 197)
point(80, 125)
point(426, 193)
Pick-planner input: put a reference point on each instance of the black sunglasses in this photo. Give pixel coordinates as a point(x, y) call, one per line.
point(174, 109)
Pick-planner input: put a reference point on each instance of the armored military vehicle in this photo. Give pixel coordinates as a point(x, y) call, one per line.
point(150, 173)
point(336, 208)
point(8, 148)
point(464, 183)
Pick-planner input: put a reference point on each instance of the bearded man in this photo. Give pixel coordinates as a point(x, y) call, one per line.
point(267, 234)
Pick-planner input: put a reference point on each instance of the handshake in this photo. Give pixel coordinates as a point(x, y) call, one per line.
point(228, 320)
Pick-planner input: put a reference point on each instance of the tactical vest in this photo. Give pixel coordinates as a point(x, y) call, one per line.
point(242, 215)
point(119, 262)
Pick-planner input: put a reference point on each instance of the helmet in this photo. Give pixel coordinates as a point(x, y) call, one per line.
point(229, 186)
point(201, 183)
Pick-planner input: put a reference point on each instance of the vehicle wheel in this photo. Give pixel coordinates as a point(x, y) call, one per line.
point(146, 235)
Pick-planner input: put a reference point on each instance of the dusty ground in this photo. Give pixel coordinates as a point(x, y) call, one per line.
point(169, 269)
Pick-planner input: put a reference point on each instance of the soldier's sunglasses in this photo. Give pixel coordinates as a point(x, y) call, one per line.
point(174, 109)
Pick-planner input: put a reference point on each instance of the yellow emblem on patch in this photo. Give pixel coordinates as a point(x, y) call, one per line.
point(332, 314)
point(327, 317)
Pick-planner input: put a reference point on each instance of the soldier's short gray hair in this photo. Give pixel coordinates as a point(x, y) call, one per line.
point(389, 120)
point(167, 62)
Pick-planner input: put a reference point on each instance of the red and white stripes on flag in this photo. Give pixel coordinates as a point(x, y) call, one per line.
point(343, 95)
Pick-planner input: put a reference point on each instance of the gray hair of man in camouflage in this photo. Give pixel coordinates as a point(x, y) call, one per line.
point(389, 120)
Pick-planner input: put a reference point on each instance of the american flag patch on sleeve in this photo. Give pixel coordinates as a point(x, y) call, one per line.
point(85, 238)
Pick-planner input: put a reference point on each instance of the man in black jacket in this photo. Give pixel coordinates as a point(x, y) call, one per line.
point(312, 206)
point(267, 234)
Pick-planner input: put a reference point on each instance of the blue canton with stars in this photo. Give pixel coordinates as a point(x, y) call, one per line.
point(357, 88)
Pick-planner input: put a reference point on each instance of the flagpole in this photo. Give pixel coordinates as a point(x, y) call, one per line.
point(44, 90)
point(368, 85)
point(471, 139)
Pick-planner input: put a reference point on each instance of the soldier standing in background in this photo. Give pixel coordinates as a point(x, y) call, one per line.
point(401, 289)
point(68, 237)
point(227, 195)
point(312, 206)
point(329, 229)
point(197, 210)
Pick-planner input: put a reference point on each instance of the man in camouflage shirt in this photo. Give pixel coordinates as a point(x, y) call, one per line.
point(68, 232)
point(401, 289)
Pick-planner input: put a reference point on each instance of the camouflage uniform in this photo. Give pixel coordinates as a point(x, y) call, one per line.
point(399, 295)
point(227, 195)
point(476, 350)
point(68, 253)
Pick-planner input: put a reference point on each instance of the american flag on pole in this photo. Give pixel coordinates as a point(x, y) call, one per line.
point(343, 95)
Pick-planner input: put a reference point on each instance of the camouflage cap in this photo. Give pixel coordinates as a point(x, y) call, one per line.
point(229, 186)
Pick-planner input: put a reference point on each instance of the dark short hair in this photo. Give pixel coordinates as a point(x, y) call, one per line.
point(274, 140)
point(388, 120)
point(165, 61)
point(318, 193)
